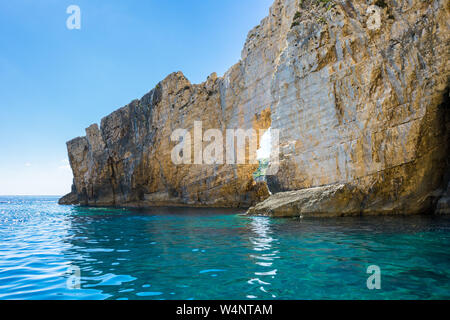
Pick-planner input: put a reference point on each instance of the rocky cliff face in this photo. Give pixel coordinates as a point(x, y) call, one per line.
point(359, 94)
point(364, 105)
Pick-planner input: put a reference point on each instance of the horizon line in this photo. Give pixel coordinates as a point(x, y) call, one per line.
point(30, 195)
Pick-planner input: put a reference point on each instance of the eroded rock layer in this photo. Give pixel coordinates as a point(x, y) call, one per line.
point(358, 91)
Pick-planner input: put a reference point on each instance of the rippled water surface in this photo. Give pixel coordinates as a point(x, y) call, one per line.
point(206, 254)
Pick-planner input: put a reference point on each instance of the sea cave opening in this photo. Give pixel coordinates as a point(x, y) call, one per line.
point(263, 157)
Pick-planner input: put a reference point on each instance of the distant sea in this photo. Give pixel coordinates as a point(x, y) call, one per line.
point(49, 251)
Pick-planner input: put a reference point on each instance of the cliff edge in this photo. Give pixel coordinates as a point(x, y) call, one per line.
point(358, 92)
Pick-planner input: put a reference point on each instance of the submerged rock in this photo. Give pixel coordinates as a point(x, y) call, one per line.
point(358, 93)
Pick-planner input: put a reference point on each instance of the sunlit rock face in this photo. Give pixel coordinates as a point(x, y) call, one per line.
point(127, 161)
point(365, 107)
point(356, 92)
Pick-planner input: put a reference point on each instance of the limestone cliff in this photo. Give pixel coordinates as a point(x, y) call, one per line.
point(357, 90)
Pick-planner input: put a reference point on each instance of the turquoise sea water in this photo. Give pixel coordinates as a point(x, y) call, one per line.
point(214, 254)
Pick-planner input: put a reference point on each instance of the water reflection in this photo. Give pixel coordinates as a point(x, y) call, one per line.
point(266, 253)
point(141, 255)
point(188, 254)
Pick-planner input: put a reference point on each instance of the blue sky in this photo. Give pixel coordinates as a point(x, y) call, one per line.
point(55, 82)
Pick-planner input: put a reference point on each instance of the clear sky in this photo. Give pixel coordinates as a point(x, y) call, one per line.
point(55, 82)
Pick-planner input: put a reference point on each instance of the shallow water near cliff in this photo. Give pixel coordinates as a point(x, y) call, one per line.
point(214, 254)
